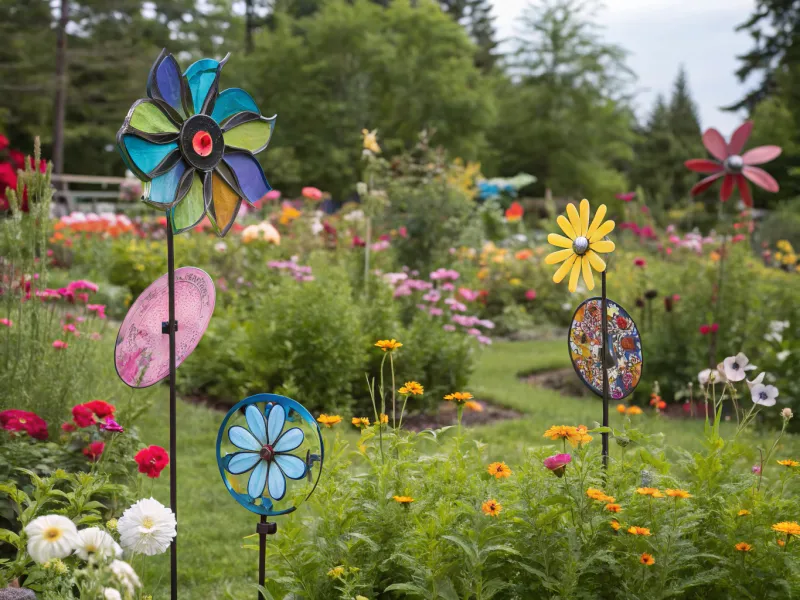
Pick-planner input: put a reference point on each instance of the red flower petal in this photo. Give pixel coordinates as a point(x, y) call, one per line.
point(727, 188)
point(744, 190)
point(715, 144)
point(761, 155)
point(703, 165)
point(761, 178)
point(702, 185)
point(739, 137)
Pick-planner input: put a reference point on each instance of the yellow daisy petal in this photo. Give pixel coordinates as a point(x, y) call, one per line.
point(598, 218)
point(574, 219)
point(584, 216)
point(559, 240)
point(559, 256)
point(566, 227)
point(602, 246)
point(564, 269)
point(602, 231)
point(573, 277)
point(598, 264)
point(588, 278)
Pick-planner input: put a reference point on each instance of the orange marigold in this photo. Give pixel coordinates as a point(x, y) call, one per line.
point(615, 525)
point(648, 491)
point(473, 406)
point(329, 420)
point(789, 463)
point(459, 397)
point(412, 388)
point(678, 493)
point(743, 547)
point(403, 499)
point(615, 508)
point(389, 345)
point(491, 508)
point(639, 531)
point(360, 422)
point(787, 527)
point(621, 408)
point(743, 513)
point(633, 410)
point(499, 470)
point(647, 559)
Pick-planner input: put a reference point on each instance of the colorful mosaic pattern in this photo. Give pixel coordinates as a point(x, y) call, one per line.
point(625, 360)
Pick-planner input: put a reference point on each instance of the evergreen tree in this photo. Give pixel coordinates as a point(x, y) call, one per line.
point(476, 17)
point(653, 169)
point(684, 125)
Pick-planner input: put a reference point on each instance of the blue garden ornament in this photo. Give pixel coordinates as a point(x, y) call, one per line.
point(194, 146)
point(269, 452)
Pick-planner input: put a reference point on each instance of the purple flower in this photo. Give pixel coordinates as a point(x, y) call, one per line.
point(111, 425)
point(449, 327)
point(455, 305)
point(486, 323)
point(468, 294)
point(487, 341)
point(402, 290)
point(756, 469)
point(557, 463)
point(436, 312)
point(448, 287)
point(444, 274)
point(475, 331)
point(432, 296)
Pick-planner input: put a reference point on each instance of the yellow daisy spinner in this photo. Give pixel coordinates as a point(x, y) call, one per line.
point(582, 244)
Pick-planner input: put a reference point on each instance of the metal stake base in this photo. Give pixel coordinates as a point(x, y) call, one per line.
point(604, 329)
point(263, 529)
point(171, 328)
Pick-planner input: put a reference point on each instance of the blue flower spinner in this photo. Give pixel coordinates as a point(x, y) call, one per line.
point(267, 448)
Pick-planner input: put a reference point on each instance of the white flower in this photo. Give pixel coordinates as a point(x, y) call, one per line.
point(787, 413)
point(111, 594)
point(96, 542)
point(755, 381)
point(734, 366)
point(782, 356)
point(51, 536)
point(356, 215)
point(566, 306)
point(147, 527)
point(220, 246)
point(764, 394)
point(710, 376)
point(126, 576)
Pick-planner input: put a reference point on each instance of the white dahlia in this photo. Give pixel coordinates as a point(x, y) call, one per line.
point(111, 594)
point(126, 576)
point(51, 536)
point(147, 527)
point(96, 542)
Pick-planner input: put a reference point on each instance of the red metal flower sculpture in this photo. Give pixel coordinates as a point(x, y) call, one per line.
point(734, 166)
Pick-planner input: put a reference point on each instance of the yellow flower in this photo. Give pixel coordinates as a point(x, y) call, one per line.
point(288, 214)
point(787, 527)
point(336, 572)
point(639, 531)
point(600, 496)
point(412, 388)
point(615, 525)
point(789, 463)
point(515, 281)
point(647, 491)
point(499, 470)
point(574, 435)
point(111, 524)
point(582, 436)
point(743, 547)
point(678, 494)
point(263, 231)
point(371, 140)
point(459, 397)
point(403, 499)
point(491, 508)
point(329, 420)
point(647, 559)
point(360, 422)
point(389, 345)
point(633, 410)
point(384, 419)
point(473, 406)
point(581, 246)
point(621, 408)
point(615, 508)
point(743, 513)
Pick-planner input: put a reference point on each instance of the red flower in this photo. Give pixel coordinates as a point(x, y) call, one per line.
point(622, 322)
point(514, 212)
point(22, 420)
point(152, 460)
point(3, 142)
point(714, 327)
point(68, 427)
point(661, 405)
point(733, 166)
point(626, 197)
point(530, 295)
point(311, 193)
point(705, 329)
point(639, 262)
point(94, 450)
point(358, 242)
point(100, 408)
point(402, 231)
point(82, 415)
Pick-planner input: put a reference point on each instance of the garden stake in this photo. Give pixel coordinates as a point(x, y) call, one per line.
point(173, 438)
point(604, 329)
point(263, 529)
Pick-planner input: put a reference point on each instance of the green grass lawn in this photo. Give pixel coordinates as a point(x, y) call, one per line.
point(212, 562)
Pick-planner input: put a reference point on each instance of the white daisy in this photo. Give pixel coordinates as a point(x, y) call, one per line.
point(126, 576)
point(734, 367)
point(783, 355)
point(707, 376)
point(51, 536)
point(96, 542)
point(147, 527)
point(111, 594)
point(764, 394)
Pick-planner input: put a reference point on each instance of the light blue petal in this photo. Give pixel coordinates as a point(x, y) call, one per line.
point(232, 101)
point(277, 417)
point(241, 438)
point(257, 423)
point(162, 188)
point(289, 440)
point(276, 482)
point(201, 76)
point(292, 466)
point(258, 480)
point(242, 462)
point(146, 155)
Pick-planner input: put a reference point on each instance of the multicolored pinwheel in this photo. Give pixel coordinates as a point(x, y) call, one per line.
point(194, 146)
point(734, 166)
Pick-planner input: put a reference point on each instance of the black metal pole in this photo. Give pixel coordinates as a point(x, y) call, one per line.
point(604, 329)
point(262, 556)
point(173, 437)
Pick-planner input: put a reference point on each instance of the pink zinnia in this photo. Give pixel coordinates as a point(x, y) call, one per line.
point(82, 284)
point(272, 195)
point(60, 345)
point(557, 463)
point(639, 262)
point(100, 309)
point(311, 193)
point(7, 322)
point(530, 295)
point(111, 425)
point(468, 294)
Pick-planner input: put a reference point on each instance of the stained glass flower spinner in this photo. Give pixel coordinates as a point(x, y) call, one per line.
point(194, 146)
point(271, 448)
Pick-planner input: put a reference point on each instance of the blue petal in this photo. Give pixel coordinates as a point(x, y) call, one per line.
point(242, 462)
point(168, 78)
point(277, 417)
point(145, 155)
point(292, 466)
point(289, 440)
point(257, 423)
point(232, 101)
point(249, 174)
point(277, 482)
point(201, 76)
point(241, 438)
point(258, 480)
point(162, 188)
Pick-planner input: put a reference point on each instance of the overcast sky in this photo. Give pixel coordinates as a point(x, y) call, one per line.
point(662, 34)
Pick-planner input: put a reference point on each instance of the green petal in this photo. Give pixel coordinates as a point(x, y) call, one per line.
point(189, 211)
point(148, 118)
point(252, 136)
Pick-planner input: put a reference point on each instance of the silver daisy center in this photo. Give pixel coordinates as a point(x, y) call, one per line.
point(733, 164)
point(580, 245)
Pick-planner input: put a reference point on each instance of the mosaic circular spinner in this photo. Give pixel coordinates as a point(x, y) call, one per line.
point(141, 355)
point(269, 453)
point(625, 346)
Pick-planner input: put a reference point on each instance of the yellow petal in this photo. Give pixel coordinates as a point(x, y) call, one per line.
point(584, 216)
point(598, 264)
point(573, 277)
point(566, 227)
point(602, 231)
point(564, 269)
point(598, 218)
point(559, 256)
point(574, 219)
point(588, 278)
point(602, 246)
point(559, 240)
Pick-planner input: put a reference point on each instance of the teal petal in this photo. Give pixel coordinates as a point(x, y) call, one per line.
point(231, 102)
point(276, 482)
point(201, 76)
point(146, 156)
point(162, 189)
